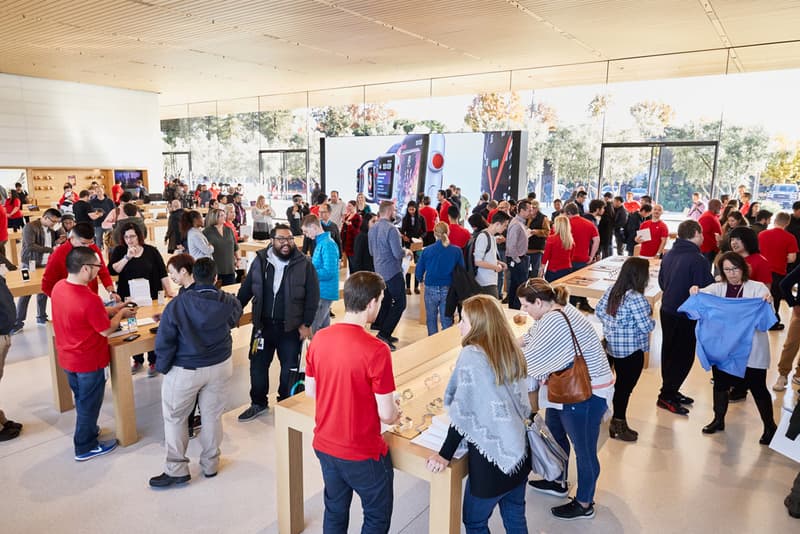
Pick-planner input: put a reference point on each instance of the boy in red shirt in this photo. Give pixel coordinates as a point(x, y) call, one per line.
point(658, 234)
point(349, 372)
point(780, 249)
point(586, 241)
point(459, 236)
point(712, 230)
point(431, 217)
point(81, 325)
point(444, 204)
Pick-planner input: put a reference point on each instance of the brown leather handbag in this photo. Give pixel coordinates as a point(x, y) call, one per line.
point(570, 385)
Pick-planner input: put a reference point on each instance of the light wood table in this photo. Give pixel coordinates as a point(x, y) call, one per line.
point(295, 416)
point(20, 287)
point(14, 242)
point(151, 228)
point(252, 245)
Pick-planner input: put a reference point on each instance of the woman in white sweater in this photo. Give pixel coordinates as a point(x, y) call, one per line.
point(197, 244)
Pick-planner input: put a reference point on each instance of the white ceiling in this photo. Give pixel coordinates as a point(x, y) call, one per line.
point(200, 50)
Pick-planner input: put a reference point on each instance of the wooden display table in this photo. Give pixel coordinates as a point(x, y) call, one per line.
point(151, 228)
point(20, 287)
point(252, 245)
point(14, 243)
point(414, 367)
point(593, 280)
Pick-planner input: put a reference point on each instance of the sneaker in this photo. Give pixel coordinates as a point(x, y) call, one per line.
point(15, 330)
point(780, 383)
point(683, 399)
point(585, 307)
point(136, 367)
point(573, 510)
point(672, 406)
point(777, 326)
point(252, 412)
point(103, 447)
point(41, 322)
point(164, 480)
point(556, 489)
point(796, 380)
point(151, 370)
point(210, 475)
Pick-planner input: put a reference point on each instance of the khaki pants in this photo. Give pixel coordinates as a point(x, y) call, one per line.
point(791, 345)
point(179, 390)
point(5, 344)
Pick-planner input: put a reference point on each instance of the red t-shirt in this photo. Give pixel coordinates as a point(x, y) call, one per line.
point(57, 269)
point(349, 367)
point(658, 230)
point(632, 206)
point(78, 319)
point(116, 192)
point(759, 269)
point(775, 245)
point(555, 255)
point(429, 214)
point(491, 215)
point(12, 203)
point(459, 236)
point(744, 209)
point(4, 225)
point(582, 233)
point(710, 225)
point(443, 210)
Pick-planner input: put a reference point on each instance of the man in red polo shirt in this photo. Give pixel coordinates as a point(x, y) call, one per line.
point(431, 217)
point(659, 233)
point(81, 325)
point(349, 373)
point(780, 248)
point(444, 204)
point(586, 240)
point(459, 236)
point(712, 229)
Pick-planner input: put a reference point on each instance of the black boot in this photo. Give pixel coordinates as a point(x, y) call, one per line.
point(720, 409)
point(768, 418)
point(618, 429)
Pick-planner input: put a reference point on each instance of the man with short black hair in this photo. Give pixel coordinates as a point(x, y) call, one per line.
point(620, 220)
point(284, 288)
point(780, 249)
point(194, 348)
point(484, 253)
point(763, 218)
point(517, 252)
point(580, 200)
point(539, 225)
point(81, 325)
point(295, 214)
point(635, 221)
point(82, 208)
point(444, 204)
point(347, 433)
point(458, 234)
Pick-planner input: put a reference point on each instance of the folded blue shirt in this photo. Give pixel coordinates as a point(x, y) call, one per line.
point(725, 329)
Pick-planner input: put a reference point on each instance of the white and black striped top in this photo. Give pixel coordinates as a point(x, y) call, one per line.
point(548, 348)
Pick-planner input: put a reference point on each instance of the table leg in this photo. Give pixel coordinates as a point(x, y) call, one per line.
point(15, 252)
point(423, 315)
point(151, 233)
point(124, 406)
point(62, 394)
point(445, 503)
point(289, 459)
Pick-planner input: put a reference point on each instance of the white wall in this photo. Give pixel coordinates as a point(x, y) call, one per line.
point(50, 123)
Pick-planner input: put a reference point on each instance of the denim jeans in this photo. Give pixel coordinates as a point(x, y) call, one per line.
point(535, 259)
point(552, 276)
point(393, 305)
point(435, 304)
point(88, 390)
point(372, 480)
point(517, 275)
point(477, 511)
point(22, 308)
point(288, 345)
point(580, 422)
point(98, 237)
point(322, 319)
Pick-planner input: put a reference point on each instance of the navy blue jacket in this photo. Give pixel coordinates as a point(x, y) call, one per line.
point(195, 328)
point(682, 267)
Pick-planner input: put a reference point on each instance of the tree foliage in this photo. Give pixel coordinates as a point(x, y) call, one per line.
point(652, 117)
point(495, 111)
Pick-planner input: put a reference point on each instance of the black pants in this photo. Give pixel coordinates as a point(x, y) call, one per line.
point(754, 379)
point(428, 239)
point(517, 275)
point(677, 352)
point(628, 372)
point(392, 306)
point(578, 300)
point(288, 345)
point(777, 294)
point(619, 237)
point(151, 358)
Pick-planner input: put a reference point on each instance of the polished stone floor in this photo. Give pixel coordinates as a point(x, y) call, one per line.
point(673, 480)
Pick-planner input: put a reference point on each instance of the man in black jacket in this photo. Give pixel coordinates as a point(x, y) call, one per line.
point(284, 288)
point(194, 348)
point(620, 221)
point(173, 235)
point(8, 429)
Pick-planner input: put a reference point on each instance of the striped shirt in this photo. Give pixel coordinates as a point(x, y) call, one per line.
point(548, 348)
point(630, 329)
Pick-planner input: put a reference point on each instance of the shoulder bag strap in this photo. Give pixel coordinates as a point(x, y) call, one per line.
point(575, 344)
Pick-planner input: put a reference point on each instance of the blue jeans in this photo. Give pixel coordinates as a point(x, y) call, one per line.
point(98, 237)
point(477, 511)
point(322, 319)
point(88, 389)
point(22, 308)
point(393, 305)
point(517, 275)
point(552, 276)
point(536, 262)
point(581, 423)
point(435, 304)
point(373, 480)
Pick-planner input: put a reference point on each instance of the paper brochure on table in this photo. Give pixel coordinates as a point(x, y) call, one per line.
point(433, 437)
point(140, 291)
point(650, 291)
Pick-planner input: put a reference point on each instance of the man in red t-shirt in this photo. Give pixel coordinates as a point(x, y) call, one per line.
point(459, 236)
point(349, 373)
point(431, 217)
point(659, 233)
point(780, 248)
point(81, 325)
point(4, 239)
point(586, 241)
point(712, 229)
point(81, 235)
point(630, 204)
point(116, 192)
point(444, 204)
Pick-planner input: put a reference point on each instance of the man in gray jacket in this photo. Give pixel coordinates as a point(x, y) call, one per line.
point(38, 240)
point(387, 253)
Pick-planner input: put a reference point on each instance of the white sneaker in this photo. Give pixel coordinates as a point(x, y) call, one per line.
point(780, 383)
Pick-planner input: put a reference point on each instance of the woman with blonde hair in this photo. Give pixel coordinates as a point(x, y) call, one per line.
point(435, 267)
point(262, 218)
point(487, 401)
point(361, 205)
point(558, 249)
point(548, 348)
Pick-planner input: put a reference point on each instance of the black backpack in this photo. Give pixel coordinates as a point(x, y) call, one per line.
point(469, 252)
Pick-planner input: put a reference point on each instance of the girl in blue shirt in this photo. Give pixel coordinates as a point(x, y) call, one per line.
point(435, 268)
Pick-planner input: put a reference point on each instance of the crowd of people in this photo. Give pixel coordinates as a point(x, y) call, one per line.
point(514, 255)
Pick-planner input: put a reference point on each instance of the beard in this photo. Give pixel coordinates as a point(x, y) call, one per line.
point(279, 253)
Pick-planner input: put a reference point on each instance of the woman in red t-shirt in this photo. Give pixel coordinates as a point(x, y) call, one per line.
point(14, 211)
point(557, 257)
point(744, 242)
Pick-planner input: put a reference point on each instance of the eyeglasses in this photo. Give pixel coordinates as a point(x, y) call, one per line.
point(731, 269)
point(92, 265)
point(283, 239)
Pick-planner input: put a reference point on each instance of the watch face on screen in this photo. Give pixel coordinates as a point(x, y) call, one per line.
point(497, 172)
point(384, 177)
point(410, 170)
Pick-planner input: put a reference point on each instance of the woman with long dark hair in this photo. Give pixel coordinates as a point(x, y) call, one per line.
point(362, 259)
point(412, 227)
point(197, 246)
point(627, 322)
